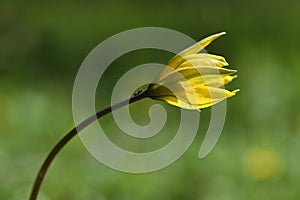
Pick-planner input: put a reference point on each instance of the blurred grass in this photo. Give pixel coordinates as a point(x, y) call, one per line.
point(42, 45)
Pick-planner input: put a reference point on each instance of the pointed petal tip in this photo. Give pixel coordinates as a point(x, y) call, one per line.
point(219, 34)
point(235, 91)
point(233, 77)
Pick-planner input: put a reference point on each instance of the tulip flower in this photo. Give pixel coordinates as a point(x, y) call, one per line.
point(193, 79)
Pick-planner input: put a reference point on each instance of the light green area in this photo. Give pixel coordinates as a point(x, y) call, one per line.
point(42, 44)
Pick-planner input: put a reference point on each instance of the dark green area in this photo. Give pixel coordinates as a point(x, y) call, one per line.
point(42, 44)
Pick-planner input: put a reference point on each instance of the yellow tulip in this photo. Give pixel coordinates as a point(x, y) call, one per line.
point(193, 79)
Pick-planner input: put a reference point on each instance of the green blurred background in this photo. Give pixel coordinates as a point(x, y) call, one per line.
point(42, 44)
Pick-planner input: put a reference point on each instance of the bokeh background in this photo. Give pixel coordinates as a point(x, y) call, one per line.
point(42, 44)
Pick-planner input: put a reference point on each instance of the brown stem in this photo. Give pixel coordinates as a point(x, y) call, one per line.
point(41, 174)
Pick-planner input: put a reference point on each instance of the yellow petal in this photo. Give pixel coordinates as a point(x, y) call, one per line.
point(201, 60)
point(200, 74)
point(216, 57)
point(228, 79)
point(189, 96)
point(212, 80)
point(174, 94)
point(177, 102)
point(176, 60)
point(205, 95)
point(195, 48)
point(201, 102)
point(201, 45)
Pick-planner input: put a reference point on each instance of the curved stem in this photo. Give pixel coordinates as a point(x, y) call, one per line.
point(56, 149)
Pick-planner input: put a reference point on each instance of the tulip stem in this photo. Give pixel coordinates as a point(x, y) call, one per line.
point(56, 149)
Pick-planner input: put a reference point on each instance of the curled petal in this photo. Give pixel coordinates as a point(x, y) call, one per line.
point(216, 57)
point(202, 74)
point(211, 80)
point(202, 60)
point(211, 59)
